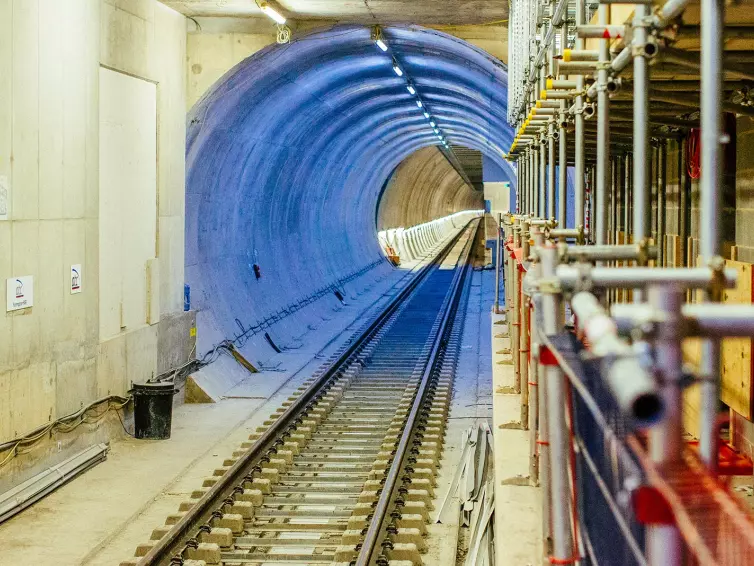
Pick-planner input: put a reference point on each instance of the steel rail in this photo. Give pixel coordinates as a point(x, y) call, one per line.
point(176, 541)
point(376, 533)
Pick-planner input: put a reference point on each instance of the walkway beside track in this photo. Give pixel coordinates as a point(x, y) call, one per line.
point(142, 482)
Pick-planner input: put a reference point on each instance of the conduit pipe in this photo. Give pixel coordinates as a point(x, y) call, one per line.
point(633, 387)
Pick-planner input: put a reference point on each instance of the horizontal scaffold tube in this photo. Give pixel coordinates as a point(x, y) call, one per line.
point(621, 252)
point(631, 384)
point(703, 319)
point(586, 277)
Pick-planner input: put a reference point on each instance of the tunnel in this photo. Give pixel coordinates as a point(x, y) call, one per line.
point(294, 162)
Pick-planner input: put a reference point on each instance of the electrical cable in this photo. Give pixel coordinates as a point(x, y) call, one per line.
point(66, 424)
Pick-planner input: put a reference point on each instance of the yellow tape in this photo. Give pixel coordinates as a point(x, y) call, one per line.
point(192, 332)
point(567, 55)
point(543, 95)
point(548, 82)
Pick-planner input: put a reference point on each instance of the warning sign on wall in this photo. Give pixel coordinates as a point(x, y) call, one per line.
point(19, 293)
point(77, 280)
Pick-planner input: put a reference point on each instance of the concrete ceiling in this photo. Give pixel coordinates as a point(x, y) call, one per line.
point(421, 12)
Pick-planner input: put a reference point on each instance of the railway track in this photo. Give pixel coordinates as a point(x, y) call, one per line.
point(343, 473)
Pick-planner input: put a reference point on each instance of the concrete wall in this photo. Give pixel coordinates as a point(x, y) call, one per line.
point(217, 44)
point(415, 242)
point(52, 361)
point(422, 188)
point(499, 195)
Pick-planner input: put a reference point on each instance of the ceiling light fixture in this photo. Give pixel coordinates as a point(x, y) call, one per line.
point(397, 69)
point(426, 114)
point(432, 123)
point(270, 12)
point(419, 103)
point(411, 89)
point(378, 38)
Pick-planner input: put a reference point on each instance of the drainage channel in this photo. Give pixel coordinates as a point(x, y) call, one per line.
point(343, 473)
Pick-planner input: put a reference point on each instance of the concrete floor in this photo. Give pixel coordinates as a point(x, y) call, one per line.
point(518, 524)
point(471, 404)
point(100, 517)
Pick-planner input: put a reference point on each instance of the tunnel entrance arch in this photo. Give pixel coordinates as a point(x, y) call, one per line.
point(286, 158)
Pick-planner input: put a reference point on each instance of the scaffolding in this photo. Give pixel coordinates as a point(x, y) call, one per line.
point(605, 89)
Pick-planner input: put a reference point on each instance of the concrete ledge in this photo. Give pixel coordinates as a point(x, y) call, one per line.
point(518, 505)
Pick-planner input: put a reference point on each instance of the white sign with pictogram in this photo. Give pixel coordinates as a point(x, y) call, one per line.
point(19, 293)
point(77, 279)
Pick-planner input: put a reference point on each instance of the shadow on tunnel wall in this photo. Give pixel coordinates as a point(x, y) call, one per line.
point(287, 156)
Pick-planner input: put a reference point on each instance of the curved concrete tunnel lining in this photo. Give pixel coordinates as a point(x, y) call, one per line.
point(287, 157)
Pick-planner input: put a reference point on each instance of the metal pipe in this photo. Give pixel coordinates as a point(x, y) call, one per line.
point(577, 67)
point(579, 130)
point(551, 169)
point(634, 389)
point(622, 60)
point(662, 187)
point(584, 278)
point(562, 175)
point(622, 252)
point(603, 135)
point(523, 349)
point(541, 439)
point(560, 488)
point(669, 11)
point(498, 262)
point(599, 31)
point(514, 293)
point(541, 210)
point(580, 55)
point(711, 186)
point(702, 319)
point(664, 546)
point(641, 202)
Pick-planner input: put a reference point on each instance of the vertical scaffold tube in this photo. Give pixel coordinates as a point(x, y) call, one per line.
point(523, 331)
point(515, 297)
point(498, 261)
point(560, 488)
point(541, 211)
point(603, 135)
point(665, 440)
point(711, 119)
point(579, 133)
point(551, 169)
point(641, 205)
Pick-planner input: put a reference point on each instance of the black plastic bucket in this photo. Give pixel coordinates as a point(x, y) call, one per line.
point(153, 410)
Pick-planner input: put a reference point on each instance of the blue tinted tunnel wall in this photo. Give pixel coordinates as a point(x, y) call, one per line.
point(287, 157)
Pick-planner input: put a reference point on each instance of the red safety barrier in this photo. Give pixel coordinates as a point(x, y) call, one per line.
point(716, 528)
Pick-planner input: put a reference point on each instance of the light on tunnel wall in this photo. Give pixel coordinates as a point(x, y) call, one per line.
point(270, 12)
point(378, 38)
point(411, 89)
point(419, 103)
point(426, 114)
point(432, 123)
point(397, 69)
